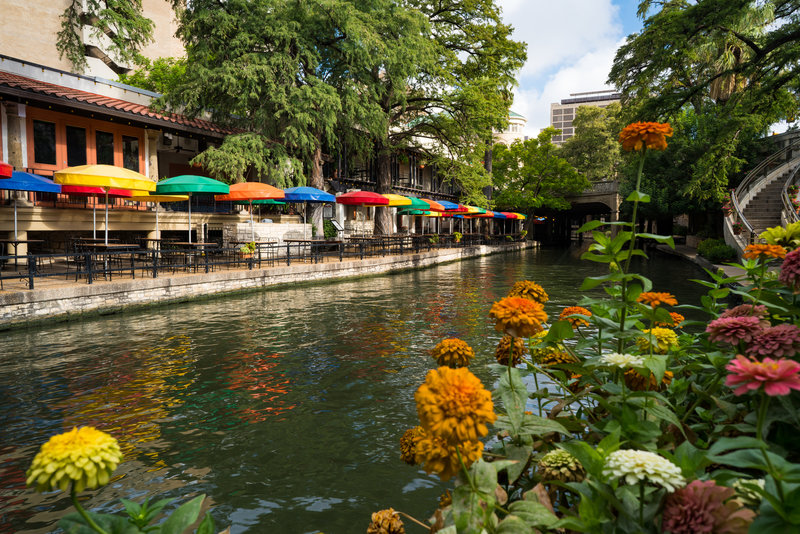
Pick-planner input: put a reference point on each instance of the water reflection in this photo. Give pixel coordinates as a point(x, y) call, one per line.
point(284, 406)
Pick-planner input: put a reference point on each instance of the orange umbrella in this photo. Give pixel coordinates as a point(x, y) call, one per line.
point(251, 191)
point(434, 206)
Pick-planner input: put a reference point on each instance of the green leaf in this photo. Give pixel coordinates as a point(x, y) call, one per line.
point(558, 331)
point(533, 513)
point(116, 524)
point(484, 475)
point(591, 225)
point(513, 525)
point(539, 426)
point(638, 195)
point(470, 510)
point(514, 396)
point(664, 413)
point(591, 460)
point(207, 525)
point(667, 239)
point(519, 453)
point(183, 517)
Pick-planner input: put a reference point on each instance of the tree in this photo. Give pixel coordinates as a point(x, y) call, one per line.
point(594, 150)
point(738, 56)
point(531, 174)
point(118, 22)
point(159, 76)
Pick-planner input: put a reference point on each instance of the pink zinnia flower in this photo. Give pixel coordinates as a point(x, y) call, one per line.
point(779, 341)
point(790, 271)
point(704, 507)
point(734, 329)
point(779, 377)
point(747, 310)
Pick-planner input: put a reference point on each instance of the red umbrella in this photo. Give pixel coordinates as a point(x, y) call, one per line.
point(85, 191)
point(362, 198)
point(5, 170)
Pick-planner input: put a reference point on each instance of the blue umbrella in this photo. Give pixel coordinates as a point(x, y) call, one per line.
point(25, 181)
point(306, 195)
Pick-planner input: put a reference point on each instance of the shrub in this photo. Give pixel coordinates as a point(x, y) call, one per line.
point(680, 229)
point(716, 251)
point(329, 229)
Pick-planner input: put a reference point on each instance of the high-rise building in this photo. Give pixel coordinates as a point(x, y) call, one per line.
point(563, 113)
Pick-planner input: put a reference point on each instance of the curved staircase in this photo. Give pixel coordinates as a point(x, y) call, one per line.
point(761, 201)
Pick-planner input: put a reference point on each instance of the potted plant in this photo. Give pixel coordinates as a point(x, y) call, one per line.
point(457, 236)
point(522, 235)
point(737, 228)
point(247, 250)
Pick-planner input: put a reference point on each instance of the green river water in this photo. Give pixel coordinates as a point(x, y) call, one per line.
point(285, 407)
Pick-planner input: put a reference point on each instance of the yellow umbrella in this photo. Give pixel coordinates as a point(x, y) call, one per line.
point(397, 200)
point(158, 199)
point(106, 177)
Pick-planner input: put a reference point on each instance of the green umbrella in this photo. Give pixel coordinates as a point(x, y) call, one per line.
point(189, 184)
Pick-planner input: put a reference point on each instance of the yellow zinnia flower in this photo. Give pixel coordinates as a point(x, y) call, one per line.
point(504, 349)
point(386, 522)
point(453, 405)
point(84, 456)
point(518, 317)
point(569, 311)
point(435, 455)
point(408, 444)
point(662, 339)
point(529, 290)
point(639, 135)
point(453, 353)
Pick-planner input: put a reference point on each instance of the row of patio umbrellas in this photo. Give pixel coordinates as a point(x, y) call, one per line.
point(111, 181)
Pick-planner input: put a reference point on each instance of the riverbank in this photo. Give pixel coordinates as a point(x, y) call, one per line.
point(690, 254)
point(62, 301)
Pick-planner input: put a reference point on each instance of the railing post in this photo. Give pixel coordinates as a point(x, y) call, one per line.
point(88, 263)
point(288, 253)
point(155, 263)
point(361, 249)
point(31, 270)
point(341, 252)
point(205, 256)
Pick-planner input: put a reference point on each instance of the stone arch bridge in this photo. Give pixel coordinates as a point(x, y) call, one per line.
point(600, 201)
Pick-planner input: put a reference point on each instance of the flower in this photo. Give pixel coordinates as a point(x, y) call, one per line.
point(386, 522)
point(677, 319)
point(746, 310)
point(655, 299)
point(437, 456)
point(561, 465)
point(529, 290)
point(635, 381)
point(734, 329)
point(638, 466)
point(453, 353)
point(752, 252)
point(453, 405)
point(703, 506)
point(517, 316)
point(445, 499)
point(575, 321)
point(639, 135)
point(553, 356)
point(408, 444)
point(660, 339)
point(504, 349)
point(84, 456)
point(615, 359)
point(790, 271)
point(779, 377)
point(746, 490)
point(781, 340)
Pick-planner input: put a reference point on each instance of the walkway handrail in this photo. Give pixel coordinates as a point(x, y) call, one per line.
point(754, 177)
point(790, 213)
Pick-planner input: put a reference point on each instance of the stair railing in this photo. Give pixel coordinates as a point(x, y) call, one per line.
point(789, 214)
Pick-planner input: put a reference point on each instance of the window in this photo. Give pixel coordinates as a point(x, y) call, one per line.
point(44, 142)
point(558, 111)
point(104, 143)
point(76, 146)
point(130, 153)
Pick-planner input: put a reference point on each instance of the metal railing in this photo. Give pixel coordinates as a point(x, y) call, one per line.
point(90, 266)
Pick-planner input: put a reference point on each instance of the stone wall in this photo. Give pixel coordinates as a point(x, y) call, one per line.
point(26, 307)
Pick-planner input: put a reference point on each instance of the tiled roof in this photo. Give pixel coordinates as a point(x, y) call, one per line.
point(140, 111)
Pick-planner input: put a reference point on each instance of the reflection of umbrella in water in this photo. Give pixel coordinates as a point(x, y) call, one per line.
point(25, 181)
point(251, 191)
point(362, 198)
point(158, 199)
point(306, 195)
point(104, 176)
point(189, 184)
point(77, 190)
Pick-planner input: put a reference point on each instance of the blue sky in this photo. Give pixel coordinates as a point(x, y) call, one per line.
point(571, 46)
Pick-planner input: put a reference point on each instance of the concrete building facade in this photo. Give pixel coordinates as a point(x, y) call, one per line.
point(563, 113)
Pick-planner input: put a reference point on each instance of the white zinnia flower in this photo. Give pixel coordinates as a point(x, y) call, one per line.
point(622, 361)
point(636, 466)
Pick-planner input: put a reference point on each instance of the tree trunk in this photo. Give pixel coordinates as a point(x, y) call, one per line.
point(383, 217)
point(316, 180)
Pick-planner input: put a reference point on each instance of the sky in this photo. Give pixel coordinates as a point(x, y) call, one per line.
point(571, 47)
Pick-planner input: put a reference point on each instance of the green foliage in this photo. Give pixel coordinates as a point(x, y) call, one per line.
point(159, 76)
point(788, 236)
point(532, 174)
point(119, 22)
point(716, 251)
point(329, 229)
point(248, 248)
point(249, 155)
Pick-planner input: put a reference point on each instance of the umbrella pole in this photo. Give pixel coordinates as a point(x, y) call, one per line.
point(252, 227)
point(15, 221)
point(190, 218)
point(106, 216)
point(94, 217)
point(158, 232)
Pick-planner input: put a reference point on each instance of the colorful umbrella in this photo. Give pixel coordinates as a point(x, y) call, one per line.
point(305, 195)
point(362, 198)
point(251, 191)
point(433, 205)
point(189, 184)
point(25, 181)
point(106, 177)
point(5, 170)
point(83, 191)
point(158, 199)
point(397, 200)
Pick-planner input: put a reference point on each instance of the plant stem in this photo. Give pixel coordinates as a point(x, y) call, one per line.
point(641, 504)
point(466, 472)
point(623, 313)
point(86, 517)
point(762, 415)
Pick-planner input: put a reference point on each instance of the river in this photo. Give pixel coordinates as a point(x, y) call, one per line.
point(284, 406)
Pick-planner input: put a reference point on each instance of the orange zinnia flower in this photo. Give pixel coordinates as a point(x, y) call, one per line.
point(639, 135)
point(677, 319)
point(575, 321)
point(518, 317)
point(764, 251)
point(655, 299)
